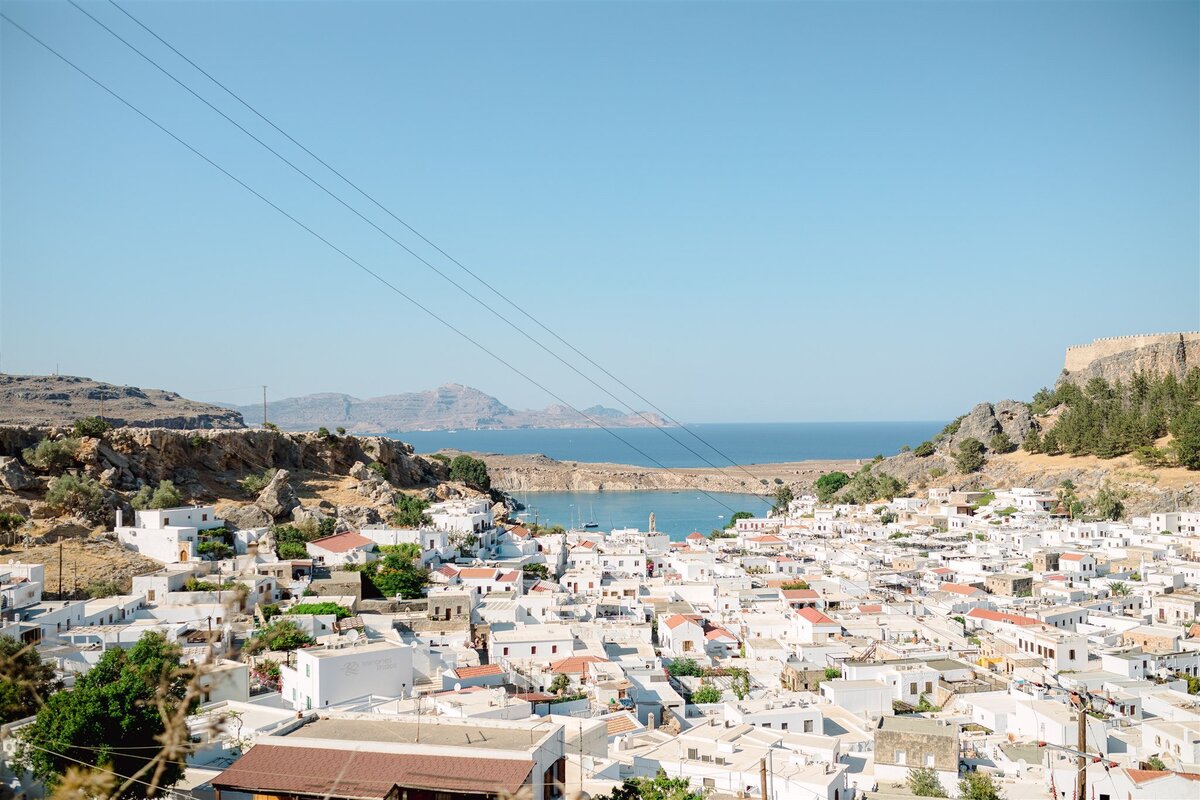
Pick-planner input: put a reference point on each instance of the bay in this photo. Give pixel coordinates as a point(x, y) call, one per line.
point(745, 443)
point(676, 513)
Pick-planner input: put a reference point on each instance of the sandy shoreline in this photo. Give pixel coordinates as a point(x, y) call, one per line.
point(539, 473)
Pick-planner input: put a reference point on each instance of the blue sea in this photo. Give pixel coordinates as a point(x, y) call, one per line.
point(745, 443)
point(676, 513)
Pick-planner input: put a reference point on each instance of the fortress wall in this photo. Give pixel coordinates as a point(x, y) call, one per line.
point(1080, 356)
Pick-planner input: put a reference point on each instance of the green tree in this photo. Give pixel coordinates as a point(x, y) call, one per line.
point(25, 680)
point(9, 522)
point(323, 432)
point(660, 787)
point(69, 493)
point(979, 786)
point(410, 512)
point(831, 483)
point(103, 588)
point(783, 496)
point(969, 457)
point(393, 575)
point(924, 450)
point(1185, 430)
point(341, 431)
point(111, 719)
point(290, 550)
point(740, 685)
point(471, 471)
point(888, 517)
point(924, 782)
point(795, 585)
point(94, 427)
point(1108, 505)
point(165, 496)
point(1001, 443)
point(832, 673)
point(536, 570)
point(560, 683)
point(1033, 442)
point(684, 666)
point(279, 634)
point(736, 516)
point(341, 612)
point(409, 551)
point(1119, 589)
point(1155, 763)
point(51, 455)
point(253, 484)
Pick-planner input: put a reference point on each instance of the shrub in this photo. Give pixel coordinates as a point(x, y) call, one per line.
point(380, 469)
point(282, 634)
point(198, 442)
point(1032, 443)
point(91, 426)
point(290, 550)
point(394, 576)
point(50, 455)
point(253, 484)
point(269, 610)
point(538, 570)
point(214, 549)
point(471, 471)
point(560, 683)
point(341, 431)
point(795, 585)
point(103, 588)
point(442, 457)
point(165, 496)
point(320, 608)
point(830, 484)
point(323, 432)
point(410, 512)
point(936, 472)
point(924, 450)
point(888, 517)
point(684, 666)
point(1001, 443)
point(978, 786)
point(707, 693)
point(923, 782)
point(83, 496)
point(969, 457)
point(832, 673)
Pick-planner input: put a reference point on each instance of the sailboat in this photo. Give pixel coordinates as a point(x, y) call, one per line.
point(591, 523)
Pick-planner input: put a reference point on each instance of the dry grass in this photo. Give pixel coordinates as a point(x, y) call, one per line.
point(1122, 468)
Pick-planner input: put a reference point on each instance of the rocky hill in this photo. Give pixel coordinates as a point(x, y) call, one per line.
point(1119, 358)
point(448, 407)
point(50, 400)
point(353, 480)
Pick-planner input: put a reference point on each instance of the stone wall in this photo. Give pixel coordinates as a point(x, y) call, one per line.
point(1119, 357)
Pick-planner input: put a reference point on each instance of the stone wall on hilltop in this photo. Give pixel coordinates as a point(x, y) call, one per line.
point(1121, 357)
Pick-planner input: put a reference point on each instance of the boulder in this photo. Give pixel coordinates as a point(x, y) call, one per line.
point(360, 472)
point(246, 516)
point(1014, 419)
point(979, 424)
point(353, 518)
point(302, 514)
point(13, 476)
point(278, 498)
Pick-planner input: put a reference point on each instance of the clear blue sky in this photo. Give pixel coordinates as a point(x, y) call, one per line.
point(861, 210)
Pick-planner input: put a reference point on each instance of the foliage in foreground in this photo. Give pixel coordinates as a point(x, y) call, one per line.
point(112, 718)
point(660, 787)
point(25, 680)
point(979, 786)
point(923, 782)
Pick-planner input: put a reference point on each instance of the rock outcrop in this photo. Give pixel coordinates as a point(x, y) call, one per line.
point(278, 498)
point(1119, 358)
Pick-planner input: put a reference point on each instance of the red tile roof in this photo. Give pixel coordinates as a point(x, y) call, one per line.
point(958, 588)
point(696, 535)
point(800, 594)
point(343, 542)
point(575, 665)
point(1071, 557)
point(478, 573)
point(1000, 616)
point(447, 570)
point(873, 608)
point(1144, 775)
point(281, 769)
point(675, 620)
point(815, 617)
point(712, 632)
point(768, 539)
point(479, 671)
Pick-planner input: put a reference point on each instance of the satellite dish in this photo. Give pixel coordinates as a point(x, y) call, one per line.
point(458, 687)
point(352, 636)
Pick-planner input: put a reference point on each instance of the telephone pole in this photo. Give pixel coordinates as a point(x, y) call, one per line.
point(1081, 761)
point(60, 568)
point(264, 405)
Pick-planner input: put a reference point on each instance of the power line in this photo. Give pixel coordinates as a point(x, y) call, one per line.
point(356, 262)
point(422, 237)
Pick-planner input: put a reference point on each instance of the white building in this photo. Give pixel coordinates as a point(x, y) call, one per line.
point(322, 678)
point(167, 535)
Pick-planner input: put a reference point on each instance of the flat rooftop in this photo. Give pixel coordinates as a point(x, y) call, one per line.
point(437, 732)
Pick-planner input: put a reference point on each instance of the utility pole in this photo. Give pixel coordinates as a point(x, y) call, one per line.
point(60, 568)
point(264, 405)
point(1081, 761)
point(762, 778)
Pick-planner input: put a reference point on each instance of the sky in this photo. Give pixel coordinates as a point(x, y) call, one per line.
point(744, 211)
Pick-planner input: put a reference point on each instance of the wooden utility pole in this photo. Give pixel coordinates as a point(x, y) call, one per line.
point(762, 777)
point(1081, 761)
point(60, 567)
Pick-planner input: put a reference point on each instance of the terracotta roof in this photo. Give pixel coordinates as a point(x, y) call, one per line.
point(815, 617)
point(281, 769)
point(479, 671)
point(478, 573)
point(519, 531)
point(575, 665)
point(448, 570)
point(800, 594)
point(958, 588)
point(509, 577)
point(695, 535)
point(675, 620)
point(872, 608)
point(942, 571)
point(621, 723)
point(1144, 775)
point(534, 697)
point(768, 539)
point(1000, 616)
point(716, 631)
point(1071, 557)
point(343, 542)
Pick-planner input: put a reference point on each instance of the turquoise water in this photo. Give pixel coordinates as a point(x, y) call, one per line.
point(676, 514)
point(745, 443)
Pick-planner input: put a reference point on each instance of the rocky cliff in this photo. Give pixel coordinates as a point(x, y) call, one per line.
point(1119, 358)
point(445, 408)
point(352, 479)
point(47, 400)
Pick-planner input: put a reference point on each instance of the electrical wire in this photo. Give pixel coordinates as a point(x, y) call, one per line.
point(449, 257)
point(374, 274)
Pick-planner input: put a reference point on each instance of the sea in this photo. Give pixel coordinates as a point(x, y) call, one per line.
point(676, 513)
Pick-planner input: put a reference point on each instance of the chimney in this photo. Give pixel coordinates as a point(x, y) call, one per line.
point(120, 515)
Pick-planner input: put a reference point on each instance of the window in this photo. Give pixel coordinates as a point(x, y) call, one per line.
point(533, 650)
point(808, 726)
point(553, 648)
point(929, 760)
point(766, 724)
point(693, 753)
point(928, 686)
point(506, 651)
point(1071, 654)
point(710, 783)
point(308, 670)
point(912, 688)
point(901, 757)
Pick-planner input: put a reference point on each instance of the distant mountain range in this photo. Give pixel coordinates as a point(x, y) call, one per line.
point(447, 407)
